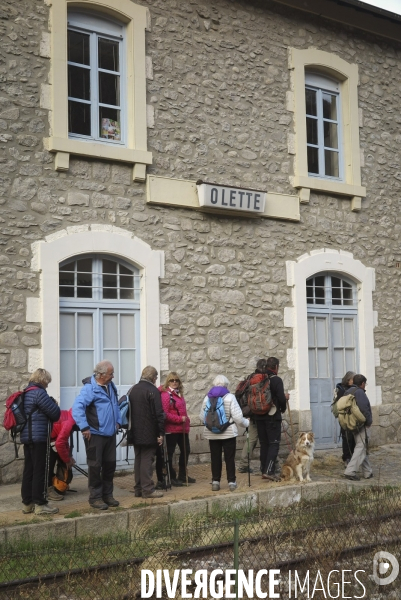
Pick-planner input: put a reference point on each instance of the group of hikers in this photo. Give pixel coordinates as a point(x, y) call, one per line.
point(158, 422)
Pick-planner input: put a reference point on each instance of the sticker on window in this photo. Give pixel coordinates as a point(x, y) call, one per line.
point(110, 130)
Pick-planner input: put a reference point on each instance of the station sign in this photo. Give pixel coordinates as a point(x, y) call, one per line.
point(231, 198)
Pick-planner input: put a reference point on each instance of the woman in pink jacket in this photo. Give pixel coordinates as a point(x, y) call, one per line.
point(176, 427)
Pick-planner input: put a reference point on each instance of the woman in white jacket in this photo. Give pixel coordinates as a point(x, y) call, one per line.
point(225, 441)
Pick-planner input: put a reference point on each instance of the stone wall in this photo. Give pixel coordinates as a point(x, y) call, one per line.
point(218, 95)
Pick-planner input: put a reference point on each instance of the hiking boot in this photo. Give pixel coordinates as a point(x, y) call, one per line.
point(215, 486)
point(160, 485)
point(184, 479)
point(110, 501)
point(176, 482)
point(53, 494)
point(245, 470)
point(155, 494)
point(369, 476)
point(28, 508)
point(271, 477)
point(232, 486)
point(137, 493)
point(45, 509)
point(352, 477)
point(99, 504)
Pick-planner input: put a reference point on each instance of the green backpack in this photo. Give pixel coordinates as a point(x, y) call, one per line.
point(348, 414)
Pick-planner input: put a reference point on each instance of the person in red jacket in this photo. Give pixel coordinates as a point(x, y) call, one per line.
point(177, 425)
point(61, 453)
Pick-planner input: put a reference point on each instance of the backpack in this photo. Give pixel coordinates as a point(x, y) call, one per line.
point(62, 478)
point(215, 418)
point(258, 394)
point(15, 417)
point(241, 395)
point(124, 406)
point(349, 415)
point(336, 397)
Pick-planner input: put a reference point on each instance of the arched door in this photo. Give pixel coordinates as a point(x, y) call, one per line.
point(99, 319)
point(332, 346)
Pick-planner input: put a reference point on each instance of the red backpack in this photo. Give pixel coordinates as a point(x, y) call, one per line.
point(258, 394)
point(15, 417)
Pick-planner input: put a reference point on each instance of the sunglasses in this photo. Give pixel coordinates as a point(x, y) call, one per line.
point(172, 380)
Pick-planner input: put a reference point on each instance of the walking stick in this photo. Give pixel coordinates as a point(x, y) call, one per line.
point(47, 467)
point(185, 452)
point(249, 458)
point(292, 427)
point(82, 471)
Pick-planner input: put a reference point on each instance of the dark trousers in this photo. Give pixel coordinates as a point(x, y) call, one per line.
point(34, 478)
point(143, 468)
point(182, 441)
point(348, 444)
point(269, 434)
point(52, 463)
point(228, 447)
point(101, 459)
point(159, 463)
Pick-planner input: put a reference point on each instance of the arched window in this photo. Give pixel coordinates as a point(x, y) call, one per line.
point(332, 345)
point(99, 319)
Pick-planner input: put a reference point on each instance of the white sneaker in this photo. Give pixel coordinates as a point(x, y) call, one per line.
point(28, 508)
point(45, 509)
point(232, 486)
point(215, 486)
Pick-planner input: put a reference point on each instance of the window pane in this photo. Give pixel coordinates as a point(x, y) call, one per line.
point(79, 118)
point(66, 278)
point(109, 281)
point(84, 265)
point(109, 89)
point(126, 294)
point(67, 369)
point(321, 332)
point(330, 134)
point(109, 266)
point(338, 340)
point(339, 369)
point(128, 367)
point(85, 331)
point(68, 267)
point(312, 363)
point(311, 131)
point(319, 281)
point(309, 294)
point(127, 324)
point(313, 160)
point(108, 55)
point(126, 281)
point(78, 47)
point(84, 279)
point(66, 292)
point(349, 332)
point(110, 331)
point(125, 271)
point(79, 83)
point(67, 331)
point(336, 282)
point(350, 360)
point(331, 163)
point(329, 106)
point(311, 332)
point(85, 364)
point(347, 297)
point(322, 365)
point(84, 292)
point(310, 98)
point(109, 293)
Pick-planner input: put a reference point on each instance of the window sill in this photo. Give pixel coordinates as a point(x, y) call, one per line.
point(95, 150)
point(328, 185)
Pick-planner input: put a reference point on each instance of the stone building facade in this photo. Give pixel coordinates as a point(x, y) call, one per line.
point(212, 93)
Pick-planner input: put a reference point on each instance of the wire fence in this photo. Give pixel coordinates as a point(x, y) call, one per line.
point(317, 549)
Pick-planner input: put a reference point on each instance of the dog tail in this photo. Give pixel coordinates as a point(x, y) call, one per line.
point(286, 473)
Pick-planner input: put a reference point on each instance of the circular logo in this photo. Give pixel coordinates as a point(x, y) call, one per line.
point(382, 561)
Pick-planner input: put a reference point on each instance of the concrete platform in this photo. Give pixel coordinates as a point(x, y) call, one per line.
point(76, 518)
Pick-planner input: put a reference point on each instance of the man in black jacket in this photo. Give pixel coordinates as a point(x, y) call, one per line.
point(269, 425)
point(359, 458)
point(147, 430)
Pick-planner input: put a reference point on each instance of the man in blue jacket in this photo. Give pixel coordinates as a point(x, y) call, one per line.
point(98, 416)
point(359, 459)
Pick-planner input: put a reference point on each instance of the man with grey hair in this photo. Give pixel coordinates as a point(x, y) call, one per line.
point(98, 416)
point(147, 430)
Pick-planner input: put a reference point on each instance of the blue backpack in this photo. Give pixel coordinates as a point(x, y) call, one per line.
point(124, 406)
point(215, 418)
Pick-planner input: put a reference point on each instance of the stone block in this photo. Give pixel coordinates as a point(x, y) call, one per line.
point(7, 455)
point(279, 496)
point(9, 338)
point(102, 524)
point(77, 199)
point(143, 517)
point(233, 501)
point(52, 530)
point(12, 472)
point(18, 358)
point(16, 535)
point(179, 510)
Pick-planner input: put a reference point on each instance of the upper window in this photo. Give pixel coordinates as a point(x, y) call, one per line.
point(95, 76)
point(98, 278)
point(328, 290)
point(323, 127)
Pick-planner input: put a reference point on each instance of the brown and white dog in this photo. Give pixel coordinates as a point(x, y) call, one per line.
point(298, 463)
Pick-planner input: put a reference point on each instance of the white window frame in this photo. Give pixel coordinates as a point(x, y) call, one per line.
point(97, 27)
point(323, 85)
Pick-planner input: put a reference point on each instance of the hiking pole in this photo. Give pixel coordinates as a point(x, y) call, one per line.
point(80, 470)
point(292, 427)
point(249, 457)
point(49, 428)
point(185, 452)
point(167, 476)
